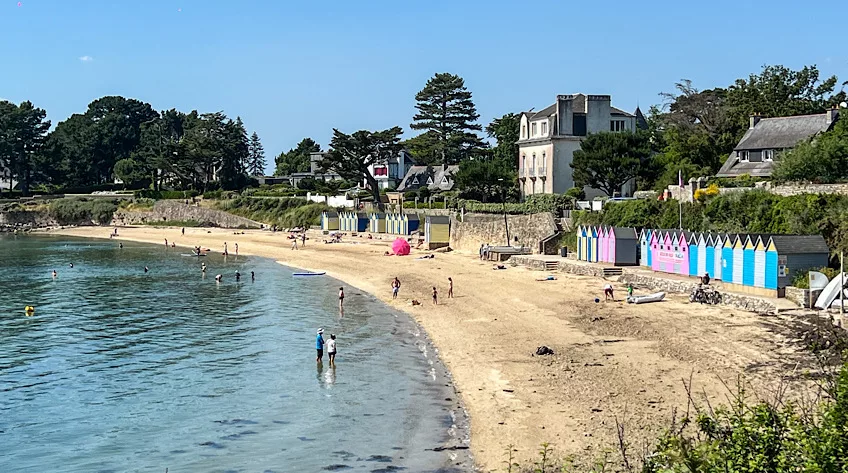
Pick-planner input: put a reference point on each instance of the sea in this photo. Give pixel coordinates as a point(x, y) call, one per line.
point(120, 369)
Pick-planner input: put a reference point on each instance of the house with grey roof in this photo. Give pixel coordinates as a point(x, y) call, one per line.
point(766, 138)
point(435, 178)
point(548, 139)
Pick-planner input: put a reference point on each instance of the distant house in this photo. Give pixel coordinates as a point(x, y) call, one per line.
point(548, 139)
point(767, 137)
point(435, 178)
point(6, 181)
point(391, 173)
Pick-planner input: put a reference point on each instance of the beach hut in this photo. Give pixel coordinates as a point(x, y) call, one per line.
point(342, 221)
point(436, 231)
point(329, 221)
point(692, 243)
point(581, 234)
point(748, 260)
point(701, 256)
point(603, 245)
point(667, 255)
point(392, 223)
point(771, 265)
point(623, 246)
point(377, 222)
point(709, 256)
point(592, 235)
point(408, 224)
point(760, 261)
point(727, 258)
point(645, 248)
point(738, 259)
point(718, 245)
point(796, 253)
point(360, 222)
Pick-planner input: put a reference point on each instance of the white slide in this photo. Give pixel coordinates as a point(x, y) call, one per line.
point(831, 292)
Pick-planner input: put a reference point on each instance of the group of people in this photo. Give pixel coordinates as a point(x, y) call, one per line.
point(330, 344)
point(396, 290)
point(295, 238)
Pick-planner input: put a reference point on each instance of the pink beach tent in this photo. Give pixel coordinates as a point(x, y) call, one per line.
point(400, 247)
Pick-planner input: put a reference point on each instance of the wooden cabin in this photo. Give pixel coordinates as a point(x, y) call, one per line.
point(436, 231)
point(329, 221)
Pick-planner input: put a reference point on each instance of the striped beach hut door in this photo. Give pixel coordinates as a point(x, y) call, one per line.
point(579, 233)
point(760, 263)
point(738, 260)
point(583, 245)
point(702, 255)
point(603, 244)
point(611, 246)
point(643, 248)
point(727, 260)
point(593, 246)
point(748, 261)
point(771, 266)
point(709, 256)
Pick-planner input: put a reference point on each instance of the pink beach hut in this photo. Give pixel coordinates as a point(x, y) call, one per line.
point(603, 245)
point(655, 242)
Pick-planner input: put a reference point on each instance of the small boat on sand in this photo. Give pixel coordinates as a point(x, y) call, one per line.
point(319, 273)
point(655, 297)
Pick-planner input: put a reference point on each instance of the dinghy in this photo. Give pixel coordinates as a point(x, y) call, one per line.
point(830, 293)
point(655, 297)
point(320, 273)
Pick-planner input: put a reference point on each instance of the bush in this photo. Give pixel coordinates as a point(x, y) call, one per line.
point(802, 281)
point(176, 195)
point(77, 211)
point(284, 212)
point(538, 203)
point(423, 205)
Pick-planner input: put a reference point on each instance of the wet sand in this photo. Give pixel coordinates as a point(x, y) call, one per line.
point(613, 360)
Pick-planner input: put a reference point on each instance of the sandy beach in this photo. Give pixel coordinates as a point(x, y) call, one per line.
point(613, 360)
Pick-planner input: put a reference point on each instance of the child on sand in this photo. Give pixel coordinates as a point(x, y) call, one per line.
point(435, 296)
point(450, 288)
point(608, 292)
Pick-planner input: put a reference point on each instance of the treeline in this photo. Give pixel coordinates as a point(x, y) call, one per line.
point(125, 139)
point(754, 211)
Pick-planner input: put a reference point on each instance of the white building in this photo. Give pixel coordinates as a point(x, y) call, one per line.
point(548, 139)
point(391, 173)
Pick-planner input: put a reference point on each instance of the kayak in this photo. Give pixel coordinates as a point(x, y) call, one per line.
point(655, 297)
point(193, 255)
point(321, 273)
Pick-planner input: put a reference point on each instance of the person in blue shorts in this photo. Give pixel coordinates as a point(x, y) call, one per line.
point(319, 345)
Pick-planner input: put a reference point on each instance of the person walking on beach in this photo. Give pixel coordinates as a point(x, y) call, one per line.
point(608, 292)
point(294, 243)
point(341, 300)
point(395, 287)
point(319, 345)
point(481, 252)
point(450, 288)
point(183, 231)
point(435, 296)
point(236, 245)
point(331, 349)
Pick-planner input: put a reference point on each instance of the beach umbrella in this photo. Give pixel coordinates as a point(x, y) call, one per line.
point(400, 247)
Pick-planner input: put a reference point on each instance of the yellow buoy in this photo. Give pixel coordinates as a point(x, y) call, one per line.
point(29, 310)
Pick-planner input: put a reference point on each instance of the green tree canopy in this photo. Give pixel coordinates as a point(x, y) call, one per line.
point(23, 130)
point(351, 155)
point(485, 180)
point(607, 160)
point(296, 159)
point(447, 113)
point(506, 131)
point(256, 161)
point(821, 159)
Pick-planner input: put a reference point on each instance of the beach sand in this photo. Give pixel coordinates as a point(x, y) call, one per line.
point(613, 360)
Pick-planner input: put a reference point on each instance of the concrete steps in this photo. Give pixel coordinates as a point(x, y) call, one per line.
point(609, 272)
point(551, 266)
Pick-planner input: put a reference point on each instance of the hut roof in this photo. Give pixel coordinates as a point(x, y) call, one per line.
point(797, 244)
point(624, 233)
point(438, 219)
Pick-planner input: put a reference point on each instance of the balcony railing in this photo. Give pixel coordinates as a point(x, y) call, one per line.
point(531, 172)
point(543, 172)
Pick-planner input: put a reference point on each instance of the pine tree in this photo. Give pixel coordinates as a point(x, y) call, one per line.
point(447, 113)
point(256, 160)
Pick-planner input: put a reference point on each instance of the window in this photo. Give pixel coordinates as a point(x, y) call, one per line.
point(543, 187)
point(617, 125)
point(544, 128)
point(768, 155)
point(743, 156)
point(415, 180)
point(429, 181)
point(533, 129)
point(534, 162)
point(523, 131)
point(381, 171)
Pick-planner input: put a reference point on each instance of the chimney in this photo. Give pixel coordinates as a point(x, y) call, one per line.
point(755, 118)
point(832, 115)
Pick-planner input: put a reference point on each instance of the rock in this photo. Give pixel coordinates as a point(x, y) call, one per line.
point(543, 350)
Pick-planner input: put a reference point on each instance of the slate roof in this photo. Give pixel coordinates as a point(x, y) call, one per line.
point(733, 167)
point(421, 173)
point(625, 233)
point(618, 111)
point(797, 244)
point(544, 113)
point(782, 132)
point(641, 121)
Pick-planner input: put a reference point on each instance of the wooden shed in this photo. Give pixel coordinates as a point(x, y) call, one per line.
point(581, 235)
point(436, 231)
point(359, 222)
point(709, 256)
point(329, 221)
point(603, 244)
point(592, 235)
point(727, 258)
point(645, 248)
point(377, 222)
point(794, 253)
point(692, 244)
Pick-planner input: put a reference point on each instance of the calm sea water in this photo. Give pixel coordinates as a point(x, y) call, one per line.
point(122, 370)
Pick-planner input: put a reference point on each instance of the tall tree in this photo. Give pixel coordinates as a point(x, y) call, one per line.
point(296, 159)
point(23, 130)
point(607, 160)
point(256, 161)
point(506, 131)
point(351, 155)
point(447, 113)
point(235, 152)
point(485, 180)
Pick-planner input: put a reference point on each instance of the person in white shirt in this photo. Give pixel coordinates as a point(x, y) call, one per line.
point(608, 292)
point(331, 349)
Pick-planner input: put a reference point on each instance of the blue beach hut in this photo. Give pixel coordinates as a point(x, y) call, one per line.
point(701, 262)
point(692, 242)
point(738, 259)
point(644, 248)
point(718, 245)
point(771, 265)
point(709, 256)
point(727, 259)
point(748, 260)
point(760, 262)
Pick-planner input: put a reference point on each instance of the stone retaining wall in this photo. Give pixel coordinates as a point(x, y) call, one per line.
point(740, 301)
point(169, 210)
point(478, 229)
point(801, 296)
point(563, 265)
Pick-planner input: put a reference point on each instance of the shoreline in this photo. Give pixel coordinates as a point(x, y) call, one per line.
point(611, 359)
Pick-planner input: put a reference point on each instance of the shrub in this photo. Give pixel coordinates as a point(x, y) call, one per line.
point(538, 203)
point(284, 212)
point(76, 211)
point(700, 195)
point(802, 281)
point(712, 190)
point(154, 194)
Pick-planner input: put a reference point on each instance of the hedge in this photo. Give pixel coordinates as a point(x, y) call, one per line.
point(421, 205)
point(539, 203)
point(177, 195)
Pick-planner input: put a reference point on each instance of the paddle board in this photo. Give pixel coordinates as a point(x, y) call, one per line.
point(321, 273)
point(193, 255)
point(830, 292)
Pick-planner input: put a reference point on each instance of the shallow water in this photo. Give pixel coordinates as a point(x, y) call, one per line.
point(122, 370)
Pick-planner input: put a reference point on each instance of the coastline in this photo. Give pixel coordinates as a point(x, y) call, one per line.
point(613, 361)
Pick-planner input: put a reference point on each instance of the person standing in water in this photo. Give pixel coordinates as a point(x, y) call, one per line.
point(166, 242)
point(238, 276)
point(55, 274)
point(450, 288)
point(183, 231)
point(331, 349)
point(120, 246)
point(236, 245)
point(146, 269)
point(341, 300)
point(395, 287)
point(319, 345)
point(225, 249)
point(252, 276)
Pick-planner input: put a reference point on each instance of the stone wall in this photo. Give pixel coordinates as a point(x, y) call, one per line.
point(169, 210)
point(27, 219)
point(801, 296)
point(563, 265)
point(795, 189)
point(479, 229)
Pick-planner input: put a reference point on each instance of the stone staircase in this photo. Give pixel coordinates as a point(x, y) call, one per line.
point(609, 272)
point(551, 266)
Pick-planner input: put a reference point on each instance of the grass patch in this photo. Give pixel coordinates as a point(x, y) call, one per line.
point(283, 212)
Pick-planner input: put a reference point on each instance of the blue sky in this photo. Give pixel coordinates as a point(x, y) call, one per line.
point(296, 69)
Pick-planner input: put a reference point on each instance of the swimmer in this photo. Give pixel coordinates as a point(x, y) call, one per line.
point(72, 265)
point(146, 269)
point(203, 267)
point(252, 276)
point(173, 245)
point(218, 278)
point(238, 276)
point(236, 245)
point(54, 273)
point(166, 242)
point(120, 246)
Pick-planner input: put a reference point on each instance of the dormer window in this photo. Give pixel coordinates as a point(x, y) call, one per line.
point(429, 181)
point(743, 156)
point(533, 129)
point(768, 155)
point(415, 180)
point(544, 128)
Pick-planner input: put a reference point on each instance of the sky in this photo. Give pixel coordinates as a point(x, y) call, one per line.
point(299, 69)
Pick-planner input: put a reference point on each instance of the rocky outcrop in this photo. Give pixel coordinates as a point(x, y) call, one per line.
point(174, 211)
